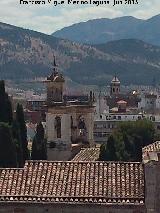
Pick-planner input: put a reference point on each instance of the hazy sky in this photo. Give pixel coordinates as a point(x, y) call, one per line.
point(49, 18)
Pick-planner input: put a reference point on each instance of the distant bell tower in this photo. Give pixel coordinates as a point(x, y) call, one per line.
point(115, 86)
point(55, 86)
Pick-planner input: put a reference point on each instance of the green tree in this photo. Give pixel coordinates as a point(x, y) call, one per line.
point(8, 156)
point(121, 152)
point(129, 146)
point(111, 154)
point(18, 142)
point(146, 130)
point(39, 150)
point(157, 136)
point(126, 143)
point(138, 145)
point(6, 114)
point(23, 131)
point(102, 155)
point(108, 151)
point(136, 135)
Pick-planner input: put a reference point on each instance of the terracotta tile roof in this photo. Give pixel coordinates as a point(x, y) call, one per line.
point(121, 102)
point(154, 147)
point(151, 152)
point(87, 154)
point(82, 182)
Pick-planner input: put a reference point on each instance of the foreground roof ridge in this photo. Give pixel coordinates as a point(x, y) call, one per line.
point(115, 162)
point(152, 147)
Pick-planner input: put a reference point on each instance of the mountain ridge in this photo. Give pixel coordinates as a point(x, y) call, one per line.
point(28, 54)
point(103, 30)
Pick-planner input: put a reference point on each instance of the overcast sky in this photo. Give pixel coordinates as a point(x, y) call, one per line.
point(49, 18)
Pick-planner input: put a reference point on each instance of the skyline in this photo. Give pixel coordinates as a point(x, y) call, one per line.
point(49, 18)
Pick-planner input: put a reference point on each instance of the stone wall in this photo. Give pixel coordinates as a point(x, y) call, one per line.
point(152, 186)
point(73, 208)
point(58, 155)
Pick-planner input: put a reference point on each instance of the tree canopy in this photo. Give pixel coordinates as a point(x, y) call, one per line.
point(126, 143)
point(39, 150)
point(23, 131)
point(6, 114)
point(17, 141)
point(13, 133)
point(8, 157)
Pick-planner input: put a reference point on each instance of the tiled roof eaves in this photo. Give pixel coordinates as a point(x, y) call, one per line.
point(71, 200)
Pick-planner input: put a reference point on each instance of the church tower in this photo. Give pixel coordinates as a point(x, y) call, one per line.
point(58, 120)
point(55, 86)
point(68, 119)
point(115, 86)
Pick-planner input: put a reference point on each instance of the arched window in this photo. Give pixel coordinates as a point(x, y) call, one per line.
point(71, 122)
point(58, 126)
point(81, 123)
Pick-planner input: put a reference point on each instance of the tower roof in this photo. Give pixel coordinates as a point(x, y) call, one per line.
point(115, 80)
point(55, 76)
point(121, 102)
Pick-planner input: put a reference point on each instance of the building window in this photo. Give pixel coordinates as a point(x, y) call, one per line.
point(81, 123)
point(119, 117)
point(71, 122)
point(158, 127)
point(58, 126)
point(152, 118)
point(104, 126)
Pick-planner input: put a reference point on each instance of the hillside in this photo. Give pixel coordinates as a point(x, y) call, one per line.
point(103, 30)
point(27, 54)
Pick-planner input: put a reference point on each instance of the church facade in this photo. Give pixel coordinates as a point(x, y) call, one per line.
point(68, 119)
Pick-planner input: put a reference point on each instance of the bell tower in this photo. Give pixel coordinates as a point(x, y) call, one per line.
point(115, 86)
point(55, 86)
point(58, 125)
point(67, 120)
